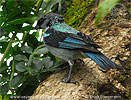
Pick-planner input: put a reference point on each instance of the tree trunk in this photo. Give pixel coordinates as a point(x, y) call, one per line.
point(113, 34)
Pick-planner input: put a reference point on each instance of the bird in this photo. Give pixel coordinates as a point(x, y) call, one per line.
point(69, 44)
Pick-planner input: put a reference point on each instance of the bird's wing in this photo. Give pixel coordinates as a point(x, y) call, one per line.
point(72, 41)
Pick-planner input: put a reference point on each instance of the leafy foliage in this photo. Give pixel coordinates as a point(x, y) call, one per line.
point(104, 8)
point(77, 11)
point(26, 61)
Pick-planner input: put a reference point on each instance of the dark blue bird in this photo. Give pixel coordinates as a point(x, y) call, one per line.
point(70, 44)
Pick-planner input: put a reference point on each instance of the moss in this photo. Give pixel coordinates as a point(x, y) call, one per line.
point(77, 11)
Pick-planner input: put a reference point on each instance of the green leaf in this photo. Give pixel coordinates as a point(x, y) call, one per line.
point(10, 4)
point(9, 28)
point(14, 13)
point(29, 3)
point(47, 62)
point(0, 97)
point(17, 81)
point(50, 4)
point(20, 67)
point(2, 32)
point(4, 40)
point(3, 79)
point(104, 8)
point(3, 12)
point(19, 21)
point(20, 57)
point(6, 97)
point(27, 28)
point(27, 49)
point(23, 20)
point(42, 51)
point(4, 89)
point(2, 19)
point(47, 1)
point(4, 46)
point(32, 41)
point(3, 68)
point(15, 48)
point(37, 5)
point(38, 63)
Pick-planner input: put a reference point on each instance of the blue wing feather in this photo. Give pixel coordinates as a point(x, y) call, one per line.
point(64, 36)
point(70, 40)
point(66, 45)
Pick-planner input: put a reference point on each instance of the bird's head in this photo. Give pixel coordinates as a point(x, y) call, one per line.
point(48, 20)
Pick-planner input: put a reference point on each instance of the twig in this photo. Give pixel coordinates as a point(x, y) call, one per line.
point(24, 38)
point(12, 74)
point(7, 49)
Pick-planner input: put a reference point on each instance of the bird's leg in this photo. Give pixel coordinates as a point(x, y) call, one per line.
point(68, 78)
point(71, 63)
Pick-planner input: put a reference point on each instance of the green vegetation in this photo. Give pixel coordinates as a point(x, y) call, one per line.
point(104, 8)
point(25, 61)
point(77, 11)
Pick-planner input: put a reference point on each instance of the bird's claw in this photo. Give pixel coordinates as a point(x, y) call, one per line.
point(69, 81)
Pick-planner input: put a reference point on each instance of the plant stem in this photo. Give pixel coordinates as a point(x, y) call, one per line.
point(12, 74)
point(24, 38)
point(7, 49)
point(38, 4)
point(31, 56)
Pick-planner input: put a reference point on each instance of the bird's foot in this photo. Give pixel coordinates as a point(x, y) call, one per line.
point(66, 80)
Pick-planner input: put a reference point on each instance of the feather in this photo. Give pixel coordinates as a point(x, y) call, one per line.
point(104, 62)
point(69, 41)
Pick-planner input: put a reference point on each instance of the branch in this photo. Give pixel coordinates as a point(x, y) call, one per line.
point(12, 74)
point(7, 49)
point(24, 38)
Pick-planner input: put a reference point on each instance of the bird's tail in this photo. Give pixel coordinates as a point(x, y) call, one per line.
point(104, 62)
